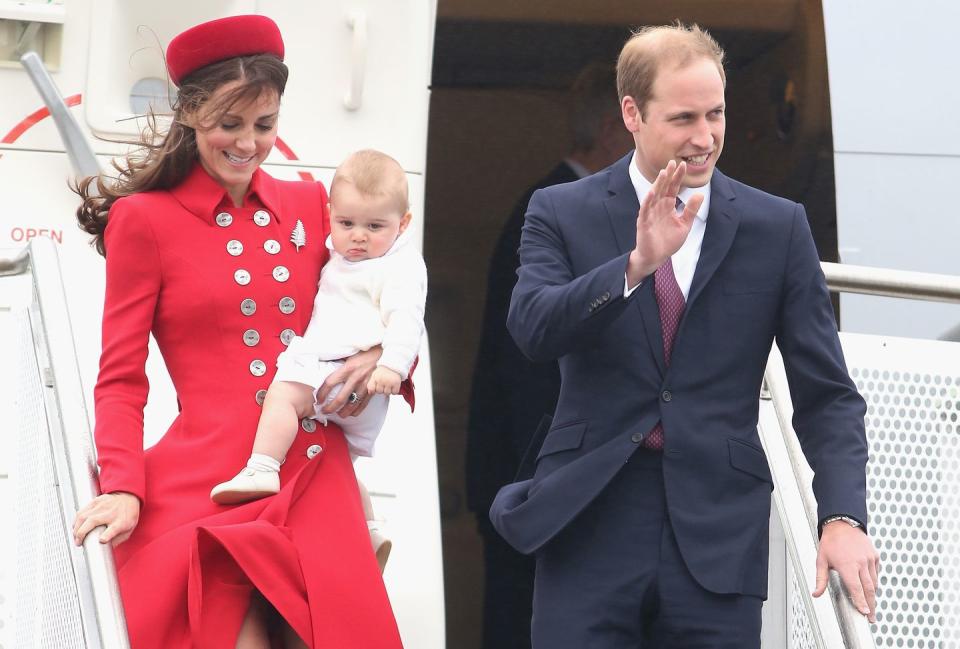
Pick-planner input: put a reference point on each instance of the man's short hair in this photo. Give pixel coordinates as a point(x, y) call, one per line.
point(650, 49)
point(593, 99)
point(374, 174)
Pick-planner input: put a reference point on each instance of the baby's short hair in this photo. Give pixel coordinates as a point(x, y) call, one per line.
point(374, 174)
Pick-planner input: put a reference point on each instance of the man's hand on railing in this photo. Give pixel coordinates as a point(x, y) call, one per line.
point(119, 511)
point(850, 552)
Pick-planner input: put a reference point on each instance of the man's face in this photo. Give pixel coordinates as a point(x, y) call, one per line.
point(684, 122)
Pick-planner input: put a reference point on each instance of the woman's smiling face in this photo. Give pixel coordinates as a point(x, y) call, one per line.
point(233, 145)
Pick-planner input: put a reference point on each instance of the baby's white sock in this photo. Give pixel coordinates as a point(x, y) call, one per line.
point(263, 463)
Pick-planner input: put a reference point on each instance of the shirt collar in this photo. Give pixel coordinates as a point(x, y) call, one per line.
point(201, 195)
point(579, 169)
point(642, 187)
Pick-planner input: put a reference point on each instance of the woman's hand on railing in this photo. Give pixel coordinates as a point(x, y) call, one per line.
point(119, 511)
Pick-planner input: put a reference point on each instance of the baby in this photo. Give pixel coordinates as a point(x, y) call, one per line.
point(372, 292)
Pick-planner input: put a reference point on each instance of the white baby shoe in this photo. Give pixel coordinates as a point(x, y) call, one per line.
point(380, 542)
point(249, 484)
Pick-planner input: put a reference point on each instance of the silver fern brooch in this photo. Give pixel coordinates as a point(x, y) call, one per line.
point(298, 237)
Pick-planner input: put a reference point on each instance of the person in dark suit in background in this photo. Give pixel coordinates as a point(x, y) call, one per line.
point(660, 284)
point(510, 394)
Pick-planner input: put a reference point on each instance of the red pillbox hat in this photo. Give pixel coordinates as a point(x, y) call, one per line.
point(219, 40)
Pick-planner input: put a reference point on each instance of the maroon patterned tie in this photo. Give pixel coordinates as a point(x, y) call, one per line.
point(671, 303)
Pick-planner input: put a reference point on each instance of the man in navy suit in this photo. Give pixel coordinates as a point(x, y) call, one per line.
point(649, 504)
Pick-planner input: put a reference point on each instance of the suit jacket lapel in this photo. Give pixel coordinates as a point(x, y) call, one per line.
point(622, 206)
point(722, 223)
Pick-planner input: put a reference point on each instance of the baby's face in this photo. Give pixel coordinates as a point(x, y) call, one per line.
point(363, 227)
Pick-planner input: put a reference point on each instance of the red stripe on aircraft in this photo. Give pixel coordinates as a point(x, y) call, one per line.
point(32, 119)
point(290, 155)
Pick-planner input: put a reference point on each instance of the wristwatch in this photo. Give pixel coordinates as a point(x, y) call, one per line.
point(852, 522)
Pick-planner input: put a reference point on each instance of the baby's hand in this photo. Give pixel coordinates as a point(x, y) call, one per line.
point(384, 381)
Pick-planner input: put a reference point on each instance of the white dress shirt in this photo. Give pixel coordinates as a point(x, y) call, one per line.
point(684, 260)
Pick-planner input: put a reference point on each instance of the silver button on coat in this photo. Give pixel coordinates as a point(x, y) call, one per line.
point(258, 368)
point(287, 305)
point(309, 425)
point(261, 217)
point(272, 246)
point(260, 396)
point(251, 337)
point(287, 335)
point(224, 219)
point(248, 307)
point(234, 247)
point(241, 277)
point(314, 450)
point(281, 273)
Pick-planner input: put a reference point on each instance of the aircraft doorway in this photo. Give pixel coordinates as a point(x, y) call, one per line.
point(498, 122)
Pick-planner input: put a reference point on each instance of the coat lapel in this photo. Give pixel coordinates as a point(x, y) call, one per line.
point(622, 206)
point(722, 223)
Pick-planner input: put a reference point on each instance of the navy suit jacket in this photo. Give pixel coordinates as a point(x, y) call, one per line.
point(758, 279)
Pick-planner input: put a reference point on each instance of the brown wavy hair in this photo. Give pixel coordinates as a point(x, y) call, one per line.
point(163, 160)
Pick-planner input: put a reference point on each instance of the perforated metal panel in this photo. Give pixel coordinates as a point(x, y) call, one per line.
point(912, 390)
point(47, 612)
point(801, 635)
point(913, 480)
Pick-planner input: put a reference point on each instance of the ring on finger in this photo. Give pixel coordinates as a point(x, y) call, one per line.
point(353, 398)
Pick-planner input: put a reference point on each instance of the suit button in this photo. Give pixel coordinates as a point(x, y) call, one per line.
point(251, 337)
point(666, 395)
point(287, 305)
point(286, 336)
point(308, 425)
point(260, 397)
point(248, 307)
point(234, 247)
point(606, 296)
point(241, 277)
point(281, 274)
point(258, 368)
point(636, 438)
point(313, 451)
point(261, 217)
point(224, 219)
point(272, 246)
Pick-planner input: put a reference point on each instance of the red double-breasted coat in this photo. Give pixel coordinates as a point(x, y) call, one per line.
point(223, 289)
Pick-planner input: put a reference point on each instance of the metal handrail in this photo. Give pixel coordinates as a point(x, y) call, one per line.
point(75, 143)
point(798, 508)
point(869, 280)
point(71, 442)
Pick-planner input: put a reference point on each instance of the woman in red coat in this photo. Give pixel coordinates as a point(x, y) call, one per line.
point(198, 245)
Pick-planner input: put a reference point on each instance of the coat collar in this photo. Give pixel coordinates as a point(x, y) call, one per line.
point(201, 195)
